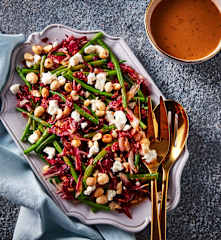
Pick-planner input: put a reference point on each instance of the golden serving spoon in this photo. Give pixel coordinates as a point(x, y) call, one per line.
point(158, 135)
point(179, 128)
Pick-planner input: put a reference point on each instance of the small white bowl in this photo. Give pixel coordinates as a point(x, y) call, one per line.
point(148, 14)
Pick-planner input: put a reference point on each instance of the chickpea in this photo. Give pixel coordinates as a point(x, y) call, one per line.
point(44, 92)
point(87, 103)
point(76, 143)
point(116, 86)
point(67, 110)
point(101, 106)
point(32, 77)
point(35, 93)
point(54, 85)
point(39, 111)
point(68, 87)
point(108, 87)
point(114, 206)
point(74, 95)
point(28, 57)
point(119, 188)
point(102, 199)
point(107, 138)
point(91, 181)
point(87, 94)
point(37, 49)
point(114, 134)
point(97, 137)
point(126, 166)
point(70, 189)
point(100, 113)
point(98, 192)
point(104, 53)
point(48, 63)
point(102, 178)
point(45, 169)
point(47, 48)
point(90, 144)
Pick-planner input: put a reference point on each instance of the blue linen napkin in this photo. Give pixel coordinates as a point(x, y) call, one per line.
point(39, 216)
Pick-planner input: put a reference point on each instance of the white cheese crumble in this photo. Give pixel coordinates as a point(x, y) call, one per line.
point(29, 64)
point(75, 60)
point(47, 78)
point(76, 116)
point(120, 119)
point(50, 151)
point(89, 190)
point(127, 127)
point(53, 107)
point(61, 80)
point(15, 88)
point(91, 78)
point(150, 156)
point(84, 125)
point(93, 149)
point(54, 44)
point(37, 59)
point(33, 138)
point(117, 166)
point(100, 81)
point(110, 117)
point(111, 194)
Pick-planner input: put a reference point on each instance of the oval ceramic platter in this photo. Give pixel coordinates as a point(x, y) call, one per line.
point(14, 122)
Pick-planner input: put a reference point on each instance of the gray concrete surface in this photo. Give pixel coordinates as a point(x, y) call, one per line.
point(197, 87)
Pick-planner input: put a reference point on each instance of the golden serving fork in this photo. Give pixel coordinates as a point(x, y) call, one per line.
point(158, 134)
point(179, 128)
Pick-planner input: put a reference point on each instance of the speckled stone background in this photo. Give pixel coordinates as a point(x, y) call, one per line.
point(197, 87)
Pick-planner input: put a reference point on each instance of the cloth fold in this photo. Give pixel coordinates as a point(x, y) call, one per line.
point(39, 217)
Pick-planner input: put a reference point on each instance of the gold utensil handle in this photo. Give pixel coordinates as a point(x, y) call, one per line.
point(163, 205)
point(155, 223)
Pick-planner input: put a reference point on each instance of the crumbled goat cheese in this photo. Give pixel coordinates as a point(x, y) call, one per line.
point(127, 127)
point(100, 81)
point(90, 49)
point(110, 117)
point(54, 44)
point(23, 102)
point(37, 59)
point(95, 104)
point(33, 138)
point(76, 116)
point(61, 80)
point(53, 107)
point(15, 88)
point(75, 60)
point(120, 119)
point(84, 125)
point(29, 64)
point(93, 149)
point(117, 166)
point(47, 78)
point(91, 78)
point(50, 151)
point(89, 190)
point(150, 156)
point(111, 194)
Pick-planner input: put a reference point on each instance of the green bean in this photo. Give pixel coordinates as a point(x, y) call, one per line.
point(137, 159)
point(66, 160)
point(28, 70)
point(108, 72)
point(144, 176)
point(57, 69)
point(47, 141)
point(33, 124)
point(23, 77)
point(87, 173)
point(143, 125)
point(36, 66)
point(40, 140)
point(59, 94)
point(61, 72)
point(95, 206)
point(89, 57)
point(26, 131)
point(44, 123)
point(41, 128)
point(119, 73)
point(88, 87)
point(96, 63)
point(59, 54)
point(142, 99)
point(85, 114)
point(94, 39)
point(104, 129)
point(42, 64)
